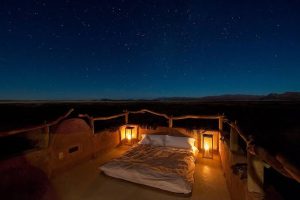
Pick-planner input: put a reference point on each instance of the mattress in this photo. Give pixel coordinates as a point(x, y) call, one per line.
point(166, 168)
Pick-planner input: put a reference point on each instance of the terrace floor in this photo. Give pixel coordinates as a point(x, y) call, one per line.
point(85, 182)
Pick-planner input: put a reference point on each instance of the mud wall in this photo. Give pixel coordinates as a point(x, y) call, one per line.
point(74, 142)
point(105, 140)
point(69, 143)
point(236, 183)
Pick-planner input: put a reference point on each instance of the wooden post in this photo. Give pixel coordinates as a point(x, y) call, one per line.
point(221, 118)
point(255, 178)
point(170, 121)
point(234, 139)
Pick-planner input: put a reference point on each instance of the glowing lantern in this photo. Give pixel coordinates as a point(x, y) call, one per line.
point(207, 146)
point(129, 136)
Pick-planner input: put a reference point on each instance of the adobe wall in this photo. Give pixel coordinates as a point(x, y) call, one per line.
point(237, 185)
point(105, 140)
point(74, 142)
point(69, 143)
point(240, 183)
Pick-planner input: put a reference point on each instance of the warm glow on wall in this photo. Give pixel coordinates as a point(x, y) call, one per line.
point(207, 146)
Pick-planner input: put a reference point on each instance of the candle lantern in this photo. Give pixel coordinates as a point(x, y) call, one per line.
point(207, 146)
point(129, 136)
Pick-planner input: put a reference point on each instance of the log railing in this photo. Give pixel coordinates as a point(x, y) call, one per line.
point(170, 118)
point(149, 111)
point(278, 162)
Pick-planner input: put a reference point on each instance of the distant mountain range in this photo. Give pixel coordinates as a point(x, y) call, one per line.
point(287, 96)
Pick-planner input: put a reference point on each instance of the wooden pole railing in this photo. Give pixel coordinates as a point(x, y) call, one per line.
point(169, 118)
point(12, 132)
point(278, 162)
point(149, 111)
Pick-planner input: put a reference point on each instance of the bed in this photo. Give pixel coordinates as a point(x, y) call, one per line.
point(159, 161)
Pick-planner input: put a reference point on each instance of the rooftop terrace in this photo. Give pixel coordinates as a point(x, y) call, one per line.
point(85, 182)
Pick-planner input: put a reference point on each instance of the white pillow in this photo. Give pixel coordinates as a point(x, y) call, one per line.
point(157, 140)
point(145, 139)
point(180, 142)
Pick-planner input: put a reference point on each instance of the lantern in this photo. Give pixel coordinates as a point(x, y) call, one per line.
point(207, 146)
point(129, 136)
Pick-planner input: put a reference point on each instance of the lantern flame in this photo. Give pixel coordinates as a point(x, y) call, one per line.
point(206, 147)
point(128, 137)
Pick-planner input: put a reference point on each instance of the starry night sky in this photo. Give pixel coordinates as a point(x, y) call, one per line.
point(147, 49)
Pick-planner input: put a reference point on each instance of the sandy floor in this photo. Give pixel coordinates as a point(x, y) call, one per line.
point(85, 182)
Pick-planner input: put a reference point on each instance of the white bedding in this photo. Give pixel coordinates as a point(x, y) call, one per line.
point(166, 168)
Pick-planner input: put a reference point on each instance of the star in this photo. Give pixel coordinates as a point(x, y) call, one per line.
point(150, 41)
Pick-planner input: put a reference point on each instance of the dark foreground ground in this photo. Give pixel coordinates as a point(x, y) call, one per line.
point(274, 124)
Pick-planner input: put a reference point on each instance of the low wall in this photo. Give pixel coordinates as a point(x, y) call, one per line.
point(105, 140)
point(69, 143)
point(26, 176)
point(236, 184)
point(74, 142)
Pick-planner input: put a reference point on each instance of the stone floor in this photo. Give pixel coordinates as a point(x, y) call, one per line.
point(85, 182)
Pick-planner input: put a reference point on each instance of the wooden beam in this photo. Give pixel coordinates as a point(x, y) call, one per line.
point(279, 163)
point(221, 121)
point(289, 167)
point(149, 111)
point(271, 160)
point(242, 135)
point(170, 122)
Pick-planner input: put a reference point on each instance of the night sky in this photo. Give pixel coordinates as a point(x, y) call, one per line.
point(147, 49)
